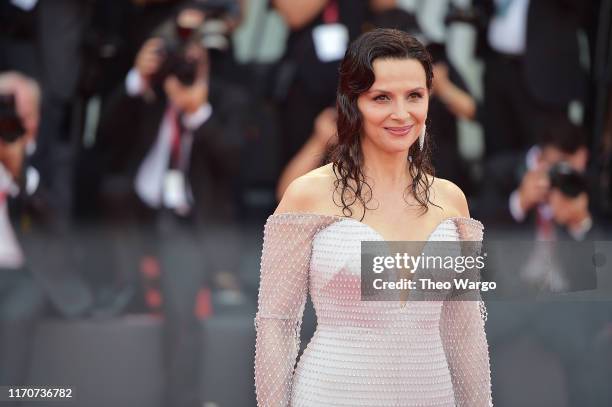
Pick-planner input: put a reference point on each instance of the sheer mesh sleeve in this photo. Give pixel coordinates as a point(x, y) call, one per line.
point(282, 295)
point(463, 334)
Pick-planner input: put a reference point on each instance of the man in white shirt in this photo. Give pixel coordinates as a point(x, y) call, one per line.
point(177, 139)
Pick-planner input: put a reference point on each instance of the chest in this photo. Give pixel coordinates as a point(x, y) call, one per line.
point(403, 226)
point(338, 252)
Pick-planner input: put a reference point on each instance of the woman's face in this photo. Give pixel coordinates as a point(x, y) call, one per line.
point(394, 109)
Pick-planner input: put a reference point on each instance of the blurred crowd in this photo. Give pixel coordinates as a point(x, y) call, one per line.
point(137, 150)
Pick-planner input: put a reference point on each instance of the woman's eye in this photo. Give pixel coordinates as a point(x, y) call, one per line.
point(415, 95)
point(381, 98)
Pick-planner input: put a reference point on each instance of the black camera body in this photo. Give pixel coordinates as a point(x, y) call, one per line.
point(11, 127)
point(176, 62)
point(212, 34)
point(570, 182)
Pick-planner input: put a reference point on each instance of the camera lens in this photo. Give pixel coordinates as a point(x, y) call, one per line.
point(569, 181)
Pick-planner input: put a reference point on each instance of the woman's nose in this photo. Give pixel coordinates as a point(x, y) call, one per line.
point(400, 111)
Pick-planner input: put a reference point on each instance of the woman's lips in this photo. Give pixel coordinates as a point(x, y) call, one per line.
point(399, 131)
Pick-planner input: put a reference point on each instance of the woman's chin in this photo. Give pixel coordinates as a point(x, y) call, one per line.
point(391, 145)
point(398, 146)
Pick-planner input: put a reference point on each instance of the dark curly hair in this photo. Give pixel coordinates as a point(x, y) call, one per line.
point(356, 77)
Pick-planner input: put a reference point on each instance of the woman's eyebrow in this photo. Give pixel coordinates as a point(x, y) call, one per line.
point(376, 91)
point(386, 91)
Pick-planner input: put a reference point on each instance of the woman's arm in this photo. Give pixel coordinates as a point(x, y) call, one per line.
point(467, 352)
point(282, 295)
point(462, 319)
point(285, 264)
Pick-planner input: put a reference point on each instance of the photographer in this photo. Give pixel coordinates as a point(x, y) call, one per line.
point(174, 134)
point(531, 191)
point(560, 142)
point(569, 202)
point(545, 191)
point(574, 325)
point(21, 299)
point(516, 184)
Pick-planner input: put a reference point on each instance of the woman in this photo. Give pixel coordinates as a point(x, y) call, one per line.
point(378, 187)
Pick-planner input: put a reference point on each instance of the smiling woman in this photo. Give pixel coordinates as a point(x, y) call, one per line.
point(383, 96)
point(395, 106)
point(364, 352)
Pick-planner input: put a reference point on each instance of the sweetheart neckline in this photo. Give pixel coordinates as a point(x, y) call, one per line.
point(345, 218)
point(386, 240)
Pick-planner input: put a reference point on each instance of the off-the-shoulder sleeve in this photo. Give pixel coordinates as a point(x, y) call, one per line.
point(283, 288)
point(463, 334)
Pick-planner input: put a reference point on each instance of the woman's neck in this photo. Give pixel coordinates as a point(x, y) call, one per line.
point(386, 169)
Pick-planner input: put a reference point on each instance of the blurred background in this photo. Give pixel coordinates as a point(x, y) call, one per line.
point(143, 144)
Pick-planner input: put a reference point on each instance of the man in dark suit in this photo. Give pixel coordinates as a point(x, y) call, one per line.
point(177, 138)
point(563, 304)
point(209, 136)
point(576, 324)
point(533, 71)
point(30, 43)
point(517, 184)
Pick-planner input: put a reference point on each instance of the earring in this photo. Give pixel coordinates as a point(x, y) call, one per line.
point(422, 137)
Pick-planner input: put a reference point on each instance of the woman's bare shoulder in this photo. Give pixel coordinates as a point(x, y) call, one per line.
point(310, 193)
point(450, 197)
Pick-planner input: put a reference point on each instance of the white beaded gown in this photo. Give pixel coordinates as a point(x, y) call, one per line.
point(363, 353)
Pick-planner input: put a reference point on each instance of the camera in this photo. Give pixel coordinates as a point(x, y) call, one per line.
point(176, 62)
point(570, 182)
point(11, 127)
point(211, 28)
point(201, 22)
